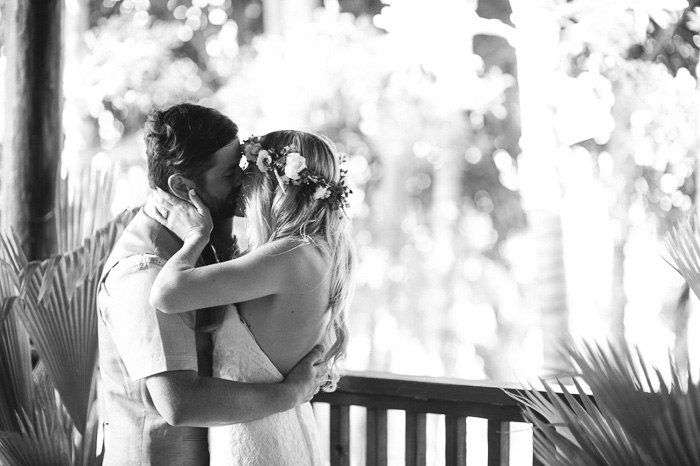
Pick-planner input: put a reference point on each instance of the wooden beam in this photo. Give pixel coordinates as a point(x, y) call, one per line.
point(33, 136)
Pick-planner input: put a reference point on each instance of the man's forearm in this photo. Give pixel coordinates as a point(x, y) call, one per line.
point(183, 398)
point(217, 402)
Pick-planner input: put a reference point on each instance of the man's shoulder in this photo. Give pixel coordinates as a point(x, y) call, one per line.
point(144, 236)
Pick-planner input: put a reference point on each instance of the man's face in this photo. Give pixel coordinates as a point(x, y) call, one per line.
point(220, 186)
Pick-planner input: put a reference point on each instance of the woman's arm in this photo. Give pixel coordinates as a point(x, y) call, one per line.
point(181, 287)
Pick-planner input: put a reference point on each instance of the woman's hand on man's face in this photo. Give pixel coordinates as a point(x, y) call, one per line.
point(188, 220)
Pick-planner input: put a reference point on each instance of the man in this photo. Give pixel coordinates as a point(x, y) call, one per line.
point(156, 368)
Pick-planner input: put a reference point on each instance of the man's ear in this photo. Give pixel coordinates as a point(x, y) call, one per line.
point(180, 186)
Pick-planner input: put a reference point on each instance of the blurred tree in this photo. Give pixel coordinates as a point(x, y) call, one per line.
point(537, 55)
point(640, 74)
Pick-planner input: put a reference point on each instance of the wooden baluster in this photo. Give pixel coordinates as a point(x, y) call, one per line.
point(456, 440)
point(415, 439)
point(376, 437)
point(340, 435)
point(498, 439)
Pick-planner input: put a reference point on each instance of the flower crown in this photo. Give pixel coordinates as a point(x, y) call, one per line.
point(289, 167)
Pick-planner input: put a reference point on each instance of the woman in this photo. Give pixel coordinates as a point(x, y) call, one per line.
point(292, 288)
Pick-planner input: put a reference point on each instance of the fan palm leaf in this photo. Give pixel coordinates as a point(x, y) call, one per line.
point(59, 315)
point(83, 199)
point(15, 357)
point(683, 245)
point(639, 417)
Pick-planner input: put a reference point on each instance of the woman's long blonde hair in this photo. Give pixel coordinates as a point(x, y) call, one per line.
point(273, 214)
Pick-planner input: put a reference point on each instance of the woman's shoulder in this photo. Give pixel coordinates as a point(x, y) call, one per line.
point(296, 253)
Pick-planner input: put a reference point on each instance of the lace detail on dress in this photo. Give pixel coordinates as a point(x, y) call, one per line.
point(289, 438)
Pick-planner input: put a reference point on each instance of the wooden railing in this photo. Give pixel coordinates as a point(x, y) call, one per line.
point(418, 396)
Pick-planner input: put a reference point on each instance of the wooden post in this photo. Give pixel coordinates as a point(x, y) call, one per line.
point(33, 132)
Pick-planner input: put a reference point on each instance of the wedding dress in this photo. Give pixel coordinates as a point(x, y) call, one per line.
point(289, 438)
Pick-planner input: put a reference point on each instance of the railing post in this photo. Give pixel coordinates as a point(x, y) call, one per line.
point(376, 437)
point(340, 435)
point(415, 438)
point(498, 439)
point(456, 440)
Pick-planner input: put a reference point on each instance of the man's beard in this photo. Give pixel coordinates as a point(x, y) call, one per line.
point(220, 209)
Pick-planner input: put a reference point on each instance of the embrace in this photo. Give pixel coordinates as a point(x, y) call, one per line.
point(210, 355)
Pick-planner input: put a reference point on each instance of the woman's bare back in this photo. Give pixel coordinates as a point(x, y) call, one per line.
point(287, 325)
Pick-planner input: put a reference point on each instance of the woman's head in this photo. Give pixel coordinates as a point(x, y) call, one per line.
point(310, 208)
point(293, 208)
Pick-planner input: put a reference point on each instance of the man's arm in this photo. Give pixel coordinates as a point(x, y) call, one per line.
point(161, 349)
point(184, 398)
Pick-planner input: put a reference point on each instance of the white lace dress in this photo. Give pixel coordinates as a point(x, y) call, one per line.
point(288, 438)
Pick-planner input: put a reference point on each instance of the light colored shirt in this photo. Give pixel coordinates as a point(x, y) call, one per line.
point(137, 341)
point(149, 342)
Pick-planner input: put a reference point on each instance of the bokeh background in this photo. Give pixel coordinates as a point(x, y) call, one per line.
point(515, 164)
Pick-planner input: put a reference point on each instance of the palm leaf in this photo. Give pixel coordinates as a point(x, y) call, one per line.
point(683, 245)
point(60, 317)
point(585, 436)
point(638, 416)
point(83, 200)
point(15, 357)
point(41, 441)
point(11, 252)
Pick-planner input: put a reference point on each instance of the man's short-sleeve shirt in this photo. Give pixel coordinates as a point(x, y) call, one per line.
point(137, 341)
point(148, 341)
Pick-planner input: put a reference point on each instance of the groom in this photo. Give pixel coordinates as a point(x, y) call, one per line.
point(156, 368)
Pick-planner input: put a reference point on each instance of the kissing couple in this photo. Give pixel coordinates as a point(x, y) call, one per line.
point(210, 355)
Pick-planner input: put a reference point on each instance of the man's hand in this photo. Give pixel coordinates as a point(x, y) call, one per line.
point(307, 377)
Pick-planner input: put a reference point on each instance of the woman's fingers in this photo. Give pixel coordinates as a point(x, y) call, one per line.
point(165, 199)
point(197, 201)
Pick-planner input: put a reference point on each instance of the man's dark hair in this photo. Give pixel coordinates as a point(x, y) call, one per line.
point(182, 140)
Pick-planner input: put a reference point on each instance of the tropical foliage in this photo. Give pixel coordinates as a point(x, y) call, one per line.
point(48, 333)
point(624, 411)
point(631, 414)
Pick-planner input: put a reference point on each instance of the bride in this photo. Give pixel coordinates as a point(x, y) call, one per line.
point(291, 289)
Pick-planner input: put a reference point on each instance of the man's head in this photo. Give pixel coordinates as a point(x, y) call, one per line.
point(191, 146)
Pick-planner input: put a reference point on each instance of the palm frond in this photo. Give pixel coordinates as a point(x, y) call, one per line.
point(638, 416)
point(585, 435)
point(41, 441)
point(683, 244)
point(59, 315)
point(15, 355)
point(83, 201)
point(11, 252)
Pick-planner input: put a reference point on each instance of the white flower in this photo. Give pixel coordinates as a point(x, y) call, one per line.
point(295, 164)
point(243, 163)
point(321, 192)
point(264, 160)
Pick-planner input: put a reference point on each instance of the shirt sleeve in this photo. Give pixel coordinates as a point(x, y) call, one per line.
point(148, 341)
